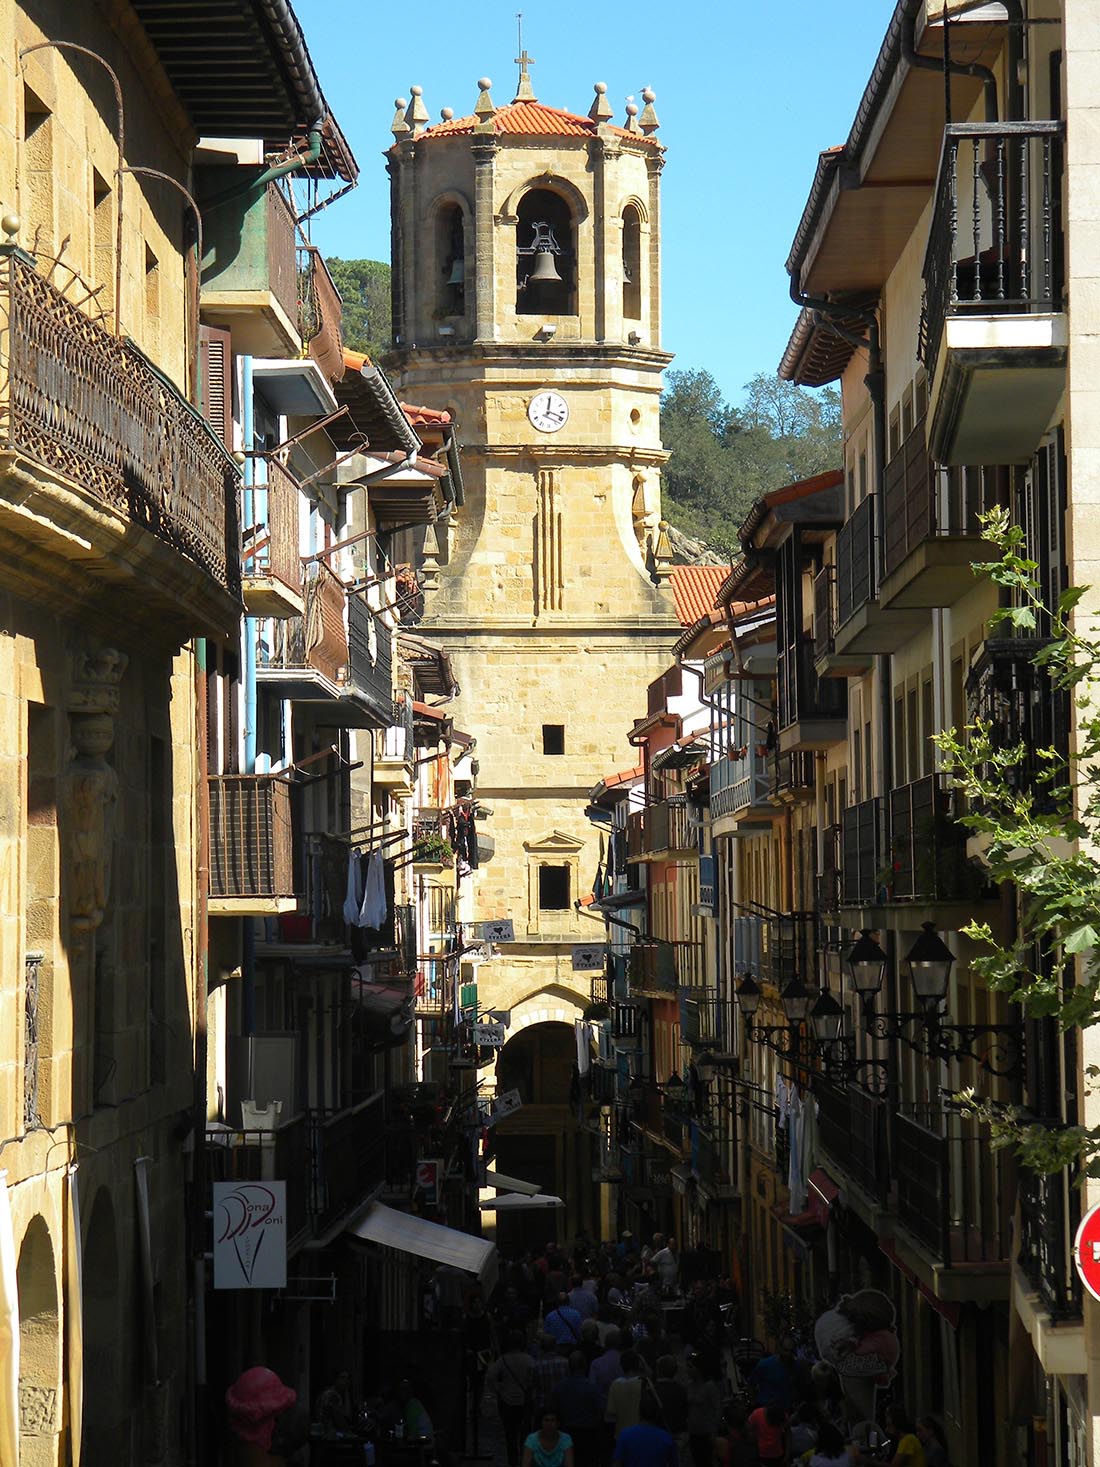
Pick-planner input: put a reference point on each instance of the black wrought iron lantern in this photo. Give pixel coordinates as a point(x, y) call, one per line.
point(827, 1021)
point(867, 968)
point(929, 961)
point(748, 996)
point(795, 999)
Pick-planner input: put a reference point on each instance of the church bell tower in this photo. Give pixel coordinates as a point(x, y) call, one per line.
point(527, 302)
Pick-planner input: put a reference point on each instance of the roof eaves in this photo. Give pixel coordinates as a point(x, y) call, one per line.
point(887, 63)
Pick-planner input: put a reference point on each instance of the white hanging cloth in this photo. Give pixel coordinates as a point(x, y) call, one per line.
point(354, 897)
point(373, 911)
point(796, 1172)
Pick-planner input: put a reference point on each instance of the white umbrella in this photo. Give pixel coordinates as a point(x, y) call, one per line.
point(519, 1201)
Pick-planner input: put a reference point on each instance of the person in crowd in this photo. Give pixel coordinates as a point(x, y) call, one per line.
point(582, 1298)
point(702, 1311)
point(735, 1446)
point(768, 1425)
point(477, 1344)
point(781, 1377)
point(709, 1348)
point(934, 1442)
point(831, 1451)
point(647, 1443)
point(549, 1446)
point(260, 1410)
point(625, 1394)
point(564, 1323)
point(667, 1265)
point(908, 1451)
point(413, 1414)
point(511, 1378)
point(550, 1368)
point(704, 1416)
point(579, 1407)
point(614, 1294)
point(590, 1346)
point(804, 1424)
point(608, 1366)
point(335, 1412)
point(673, 1397)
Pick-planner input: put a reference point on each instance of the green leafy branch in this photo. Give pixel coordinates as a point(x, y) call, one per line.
point(1039, 833)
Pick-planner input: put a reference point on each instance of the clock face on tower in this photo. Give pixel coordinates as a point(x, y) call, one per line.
point(548, 411)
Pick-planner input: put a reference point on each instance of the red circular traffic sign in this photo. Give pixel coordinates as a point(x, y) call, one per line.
point(1086, 1251)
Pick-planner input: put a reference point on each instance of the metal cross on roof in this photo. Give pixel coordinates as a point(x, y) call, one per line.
point(524, 92)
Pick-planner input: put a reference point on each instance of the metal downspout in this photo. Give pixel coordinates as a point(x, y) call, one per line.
point(956, 68)
point(251, 631)
point(202, 978)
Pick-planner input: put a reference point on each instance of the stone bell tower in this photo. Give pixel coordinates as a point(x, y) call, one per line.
point(527, 302)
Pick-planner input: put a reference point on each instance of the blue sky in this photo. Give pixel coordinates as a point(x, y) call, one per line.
point(748, 92)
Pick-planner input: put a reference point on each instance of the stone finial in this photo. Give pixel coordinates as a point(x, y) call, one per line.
point(446, 113)
point(649, 121)
point(417, 115)
point(429, 561)
point(632, 116)
point(399, 127)
point(601, 109)
point(484, 109)
point(662, 554)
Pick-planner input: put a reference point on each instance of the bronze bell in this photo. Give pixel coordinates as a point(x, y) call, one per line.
point(458, 272)
point(545, 271)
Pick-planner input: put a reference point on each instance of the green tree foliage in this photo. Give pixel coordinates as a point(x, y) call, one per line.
point(364, 286)
point(1040, 834)
point(724, 458)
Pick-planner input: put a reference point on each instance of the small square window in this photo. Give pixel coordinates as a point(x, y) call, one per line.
point(553, 888)
point(553, 738)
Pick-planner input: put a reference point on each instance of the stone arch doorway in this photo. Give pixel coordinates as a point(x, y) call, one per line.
point(40, 1381)
point(543, 1142)
point(106, 1434)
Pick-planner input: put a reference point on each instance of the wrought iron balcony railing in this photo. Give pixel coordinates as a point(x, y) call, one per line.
point(319, 312)
point(954, 1193)
point(856, 571)
point(271, 539)
point(861, 845)
point(91, 408)
point(1049, 1216)
point(852, 1127)
point(829, 877)
point(652, 967)
point(825, 612)
point(993, 246)
point(251, 837)
point(927, 848)
point(1024, 710)
point(801, 693)
point(788, 948)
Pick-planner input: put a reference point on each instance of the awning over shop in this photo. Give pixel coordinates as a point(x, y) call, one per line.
point(511, 1184)
point(522, 1202)
point(392, 1229)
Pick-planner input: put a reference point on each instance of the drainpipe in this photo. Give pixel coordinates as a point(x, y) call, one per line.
point(202, 976)
point(251, 629)
point(256, 186)
point(956, 68)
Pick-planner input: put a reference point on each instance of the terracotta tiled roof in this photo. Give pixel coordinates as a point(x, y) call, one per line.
point(803, 489)
point(423, 416)
point(624, 776)
point(694, 588)
point(534, 119)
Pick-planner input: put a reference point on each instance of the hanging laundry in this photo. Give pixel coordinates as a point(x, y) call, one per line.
point(465, 836)
point(372, 909)
point(354, 898)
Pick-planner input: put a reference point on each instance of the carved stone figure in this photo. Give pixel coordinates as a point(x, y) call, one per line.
point(92, 784)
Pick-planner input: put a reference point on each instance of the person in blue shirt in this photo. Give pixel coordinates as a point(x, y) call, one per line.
point(648, 1444)
point(564, 1323)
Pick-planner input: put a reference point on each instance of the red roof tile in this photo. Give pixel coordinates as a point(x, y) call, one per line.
point(534, 119)
point(803, 488)
point(694, 588)
point(421, 416)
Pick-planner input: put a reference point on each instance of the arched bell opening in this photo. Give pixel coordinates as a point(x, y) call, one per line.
point(40, 1382)
point(546, 256)
point(632, 264)
point(450, 253)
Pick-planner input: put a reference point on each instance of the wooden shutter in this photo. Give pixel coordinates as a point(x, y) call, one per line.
point(216, 360)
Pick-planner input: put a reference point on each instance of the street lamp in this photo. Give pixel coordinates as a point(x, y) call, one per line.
point(748, 996)
point(795, 999)
point(867, 967)
point(929, 961)
point(827, 1021)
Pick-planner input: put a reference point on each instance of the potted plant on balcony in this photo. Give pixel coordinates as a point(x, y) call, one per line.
point(432, 849)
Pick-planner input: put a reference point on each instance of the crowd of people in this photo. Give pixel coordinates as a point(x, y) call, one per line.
point(597, 1357)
